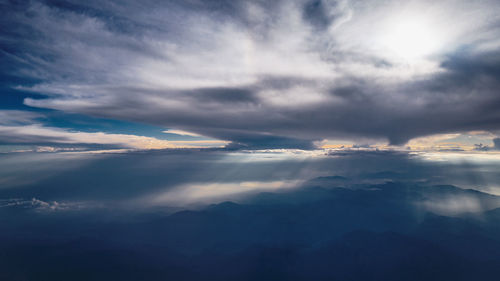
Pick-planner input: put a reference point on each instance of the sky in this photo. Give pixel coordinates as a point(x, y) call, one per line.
point(293, 80)
point(253, 75)
point(154, 107)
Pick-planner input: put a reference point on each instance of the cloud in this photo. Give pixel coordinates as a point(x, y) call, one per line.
point(453, 205)
point(22, 128)
point(181, 133)
point(37, 134)
point(193, 176)
point(209, 193)
point(19, 117)
point(40, 205)
point(496, 142)
point(265, 75)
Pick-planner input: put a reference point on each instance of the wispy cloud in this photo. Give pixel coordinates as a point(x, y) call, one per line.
point(44, 206)
point(38, 134)
point(181, 133)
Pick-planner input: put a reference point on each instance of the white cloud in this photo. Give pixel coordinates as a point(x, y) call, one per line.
point(181, 133)
point(35, 134)
point(453, 205)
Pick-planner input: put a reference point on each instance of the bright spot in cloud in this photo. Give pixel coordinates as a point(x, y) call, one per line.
point(410, 38)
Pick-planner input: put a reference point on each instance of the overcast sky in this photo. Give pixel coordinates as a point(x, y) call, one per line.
point(251, 74)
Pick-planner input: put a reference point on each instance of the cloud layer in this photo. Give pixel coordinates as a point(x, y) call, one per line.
point(23, 128)
point(281, 74)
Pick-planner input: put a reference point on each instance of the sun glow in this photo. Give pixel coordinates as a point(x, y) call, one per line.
point(410, 39)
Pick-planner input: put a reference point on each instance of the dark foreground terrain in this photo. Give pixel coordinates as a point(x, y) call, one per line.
point(392, 231)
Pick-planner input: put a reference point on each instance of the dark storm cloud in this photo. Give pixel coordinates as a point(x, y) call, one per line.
point(464, 98)
point(317, 15)
point(259, 74)
point(496, 143)
point(253, 141)
point(223, 95)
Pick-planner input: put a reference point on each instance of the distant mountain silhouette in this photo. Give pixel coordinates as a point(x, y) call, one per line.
point(369, 232)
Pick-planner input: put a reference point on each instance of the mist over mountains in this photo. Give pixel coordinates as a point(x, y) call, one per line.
point(392, 231)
